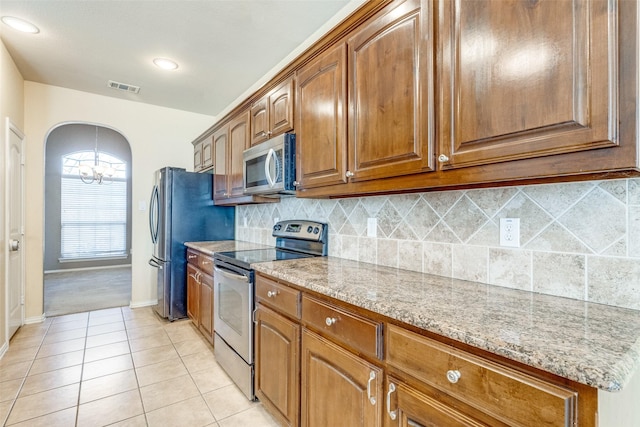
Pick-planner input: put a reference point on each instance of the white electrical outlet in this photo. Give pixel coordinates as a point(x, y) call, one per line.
point(372, 227)
point(276, 220)
point(510, 232)
point(245, 221)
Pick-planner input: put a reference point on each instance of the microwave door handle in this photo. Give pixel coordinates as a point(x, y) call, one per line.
point(267, 167)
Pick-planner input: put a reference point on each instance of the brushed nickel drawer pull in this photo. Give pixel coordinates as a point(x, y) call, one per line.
point(392, 414)
point(372, 376)
point(271, 294)
point(330, 321)
point(443, 158)
point(453, 376)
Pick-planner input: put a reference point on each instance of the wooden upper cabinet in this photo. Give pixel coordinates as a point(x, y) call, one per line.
point(229, 143)
point(391, 92)
point(238, 142)
point(260, 121)
point(197, 157)
point(207, 153)
point(281, 108)
point(321, 128)
point(526, 79)
point(203, 155)
point(272, 114)
point(220, 150)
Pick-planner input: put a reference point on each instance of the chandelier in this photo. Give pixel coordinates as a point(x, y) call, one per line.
point(98, 173)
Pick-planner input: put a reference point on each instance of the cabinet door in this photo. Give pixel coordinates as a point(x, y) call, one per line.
point(207, 153)
point(281, 109)
point(526, 79)
point(408, 407)
point(390, 93)
point(206, 306)
point(337, 386)
point(197, 157)
point(193, 294)
point(278, 365)
point(220, 140)
point(321, 129)
point(260, 121)
point(238, 142)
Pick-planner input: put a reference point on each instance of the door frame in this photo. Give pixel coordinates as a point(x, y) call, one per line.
point(10, 127)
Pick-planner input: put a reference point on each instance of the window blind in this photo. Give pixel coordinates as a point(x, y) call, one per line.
point(93, 219)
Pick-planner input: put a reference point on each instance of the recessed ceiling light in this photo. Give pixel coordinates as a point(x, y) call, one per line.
point(165, 64)
point(20, 24)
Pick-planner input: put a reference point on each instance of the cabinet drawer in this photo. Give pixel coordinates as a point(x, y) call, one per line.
point(192, 257)
point(357, 332)
point(499, 391)
point(280, 297)
point(205, 263)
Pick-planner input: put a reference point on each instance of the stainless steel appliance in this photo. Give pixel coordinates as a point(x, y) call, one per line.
point(270, 167)
point(181, 210)
point(233, 287)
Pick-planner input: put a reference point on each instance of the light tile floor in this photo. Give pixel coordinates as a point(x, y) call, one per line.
point(119, 367)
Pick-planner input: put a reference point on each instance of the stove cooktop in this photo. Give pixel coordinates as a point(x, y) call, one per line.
point(246, 258)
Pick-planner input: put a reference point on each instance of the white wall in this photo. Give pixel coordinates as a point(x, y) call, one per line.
point(12, 106)
point(158, 137)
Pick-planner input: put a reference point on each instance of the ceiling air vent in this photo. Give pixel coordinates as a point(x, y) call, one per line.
point(123, 86)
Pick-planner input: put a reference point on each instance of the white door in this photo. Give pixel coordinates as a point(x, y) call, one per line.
point(15, 228)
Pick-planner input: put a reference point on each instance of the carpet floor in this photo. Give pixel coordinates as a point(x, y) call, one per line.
point(88, 290)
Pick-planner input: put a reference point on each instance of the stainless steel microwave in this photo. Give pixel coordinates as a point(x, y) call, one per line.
point(270, 167)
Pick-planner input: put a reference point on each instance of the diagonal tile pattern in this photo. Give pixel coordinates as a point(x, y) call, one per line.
point(588, 227)
point(65, 372)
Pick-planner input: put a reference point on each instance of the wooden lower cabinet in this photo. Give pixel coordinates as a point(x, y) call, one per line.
point(338, 388)
point(321, 362)
point(278, 365)
point(193, 293)
point(406, 406)
point(498, 391)
point(206, 306)
point(200, 292)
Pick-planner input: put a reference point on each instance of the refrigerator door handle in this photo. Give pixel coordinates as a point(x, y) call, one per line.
point(154, 214)
point(154, 263)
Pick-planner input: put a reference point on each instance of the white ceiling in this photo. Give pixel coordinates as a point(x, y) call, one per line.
point(223, 46)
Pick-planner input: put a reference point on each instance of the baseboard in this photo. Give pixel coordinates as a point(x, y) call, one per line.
point(36, 319)
point(140, 304)
point(3, 349)
point(69, 270)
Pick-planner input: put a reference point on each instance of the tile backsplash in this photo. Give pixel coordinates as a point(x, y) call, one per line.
point(578, 240)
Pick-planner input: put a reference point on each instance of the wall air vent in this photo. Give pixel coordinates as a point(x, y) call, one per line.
point(123, 86)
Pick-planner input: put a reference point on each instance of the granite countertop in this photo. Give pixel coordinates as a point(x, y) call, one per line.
point(590, 343)
point(210, 247)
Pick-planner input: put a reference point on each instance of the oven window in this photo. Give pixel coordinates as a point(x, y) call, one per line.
point(230, 307)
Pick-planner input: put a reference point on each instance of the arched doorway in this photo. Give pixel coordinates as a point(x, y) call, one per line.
point(87, 251)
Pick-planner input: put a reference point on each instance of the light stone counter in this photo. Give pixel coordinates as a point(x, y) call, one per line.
point(593, 344)
point(211, 247)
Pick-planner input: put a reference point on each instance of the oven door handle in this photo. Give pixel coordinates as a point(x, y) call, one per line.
point(231, 275)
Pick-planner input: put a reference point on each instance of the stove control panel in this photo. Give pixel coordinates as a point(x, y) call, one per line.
point(301, 229)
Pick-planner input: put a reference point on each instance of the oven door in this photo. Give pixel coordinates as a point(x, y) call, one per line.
point(233, 299)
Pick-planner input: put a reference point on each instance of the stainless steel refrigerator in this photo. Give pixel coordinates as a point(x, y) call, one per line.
point(182, 210)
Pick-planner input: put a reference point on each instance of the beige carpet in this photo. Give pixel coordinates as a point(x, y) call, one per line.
point(80, 291)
